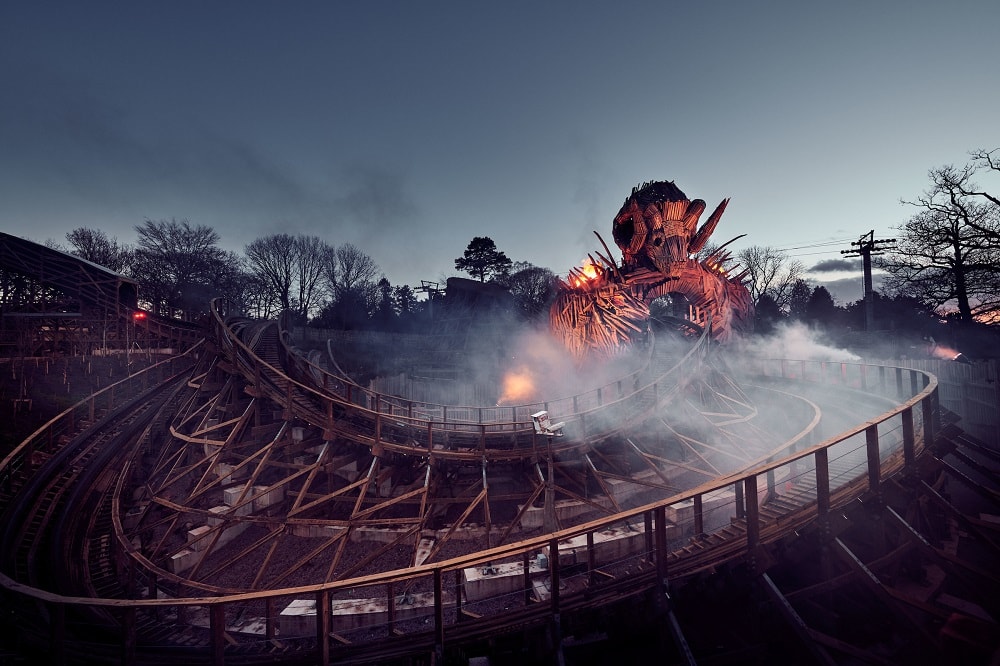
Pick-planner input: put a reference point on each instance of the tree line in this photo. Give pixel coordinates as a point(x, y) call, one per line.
point(946, 266)
point(180, 267)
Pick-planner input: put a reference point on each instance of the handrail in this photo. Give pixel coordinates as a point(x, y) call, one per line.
point(928, 393)
point(90, 402)
point(374, 397)
point(918, 400)
point(431, 407)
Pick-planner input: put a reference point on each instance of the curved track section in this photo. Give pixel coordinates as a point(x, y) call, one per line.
point(270, 509)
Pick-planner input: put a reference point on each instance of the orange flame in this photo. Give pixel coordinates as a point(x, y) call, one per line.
point(587, 271)
point(946, 353)
point(518, 386)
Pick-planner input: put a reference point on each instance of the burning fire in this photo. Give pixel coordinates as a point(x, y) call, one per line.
point(518, 386)
point(587, 271)
point(948, 354)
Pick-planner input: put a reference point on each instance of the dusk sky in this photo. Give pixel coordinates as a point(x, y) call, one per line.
point(408, 128)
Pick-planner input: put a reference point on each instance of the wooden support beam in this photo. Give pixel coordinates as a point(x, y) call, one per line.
point(874, 464)
point(438, 614)
point(323, 628)
point(660, 539)
point(909, 442)
point(872, 582)
point(128, 635)
point(217, 629)
point(554, 576)
point(680, 640)
point(822, 483)
point(794, 620)
point(865, 656)
point(699, 515)
point(753, 520)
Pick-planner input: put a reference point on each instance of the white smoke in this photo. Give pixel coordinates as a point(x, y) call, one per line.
point(798, 342)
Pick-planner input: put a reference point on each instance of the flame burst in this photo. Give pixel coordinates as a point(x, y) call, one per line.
point(518, 386)
point(945, 353)
point(585, 273)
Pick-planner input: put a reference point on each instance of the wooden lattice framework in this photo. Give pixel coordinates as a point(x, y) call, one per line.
point(604, 306)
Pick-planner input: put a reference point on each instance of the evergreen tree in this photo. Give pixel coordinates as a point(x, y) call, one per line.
point(483, 260)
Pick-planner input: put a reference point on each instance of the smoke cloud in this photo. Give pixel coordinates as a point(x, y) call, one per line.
point(799, 342)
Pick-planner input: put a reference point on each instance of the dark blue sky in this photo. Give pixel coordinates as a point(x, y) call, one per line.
point(408, 128)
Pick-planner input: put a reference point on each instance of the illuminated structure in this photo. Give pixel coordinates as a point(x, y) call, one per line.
point(603, 306)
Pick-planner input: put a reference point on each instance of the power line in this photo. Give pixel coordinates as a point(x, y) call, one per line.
point(809, 254)
point(815, 244)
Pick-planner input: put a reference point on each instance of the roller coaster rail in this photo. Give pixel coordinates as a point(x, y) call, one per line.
point(680, 536)
point(446, 432)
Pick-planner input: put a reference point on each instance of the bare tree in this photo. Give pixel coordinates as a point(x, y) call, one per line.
point(770, 272)
point(271, 260)
point(291, 268)
point(948, 254)
point(95, 246)
point(351, 278)
point(312, 256)
point(948, 257)
point(953, 192)
point(259, 298)
point(180, 267)
point(348, 268)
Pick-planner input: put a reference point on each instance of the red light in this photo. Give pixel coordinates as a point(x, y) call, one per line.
point(139, 315)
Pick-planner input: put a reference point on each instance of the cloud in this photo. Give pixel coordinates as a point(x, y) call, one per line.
point(836, 265)
point(849, 290)
point(376, 197)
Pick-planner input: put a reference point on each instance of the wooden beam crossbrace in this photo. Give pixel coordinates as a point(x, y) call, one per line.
point(872, 582)
point(341, 491)
point(794, 620)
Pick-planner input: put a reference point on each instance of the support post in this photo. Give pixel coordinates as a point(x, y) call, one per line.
point(909, 442)
point(269, 619)
point(526, 565)
point(927, 410)
point(57, 617)
point(647, 520)
point(874, 464)
point(391, 606)
point(660, 522)
point(699, 516)
point(217, 628)
point(822, 484)
point(128, 635)
point(753, 521)
point(438, 616)
point(554, 576)
point(590, 559)
point(323, 628)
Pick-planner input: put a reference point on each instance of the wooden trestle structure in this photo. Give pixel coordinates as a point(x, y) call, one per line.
point(270, 509)
point(52, 302)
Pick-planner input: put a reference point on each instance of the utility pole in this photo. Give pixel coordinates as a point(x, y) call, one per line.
point(865, 247)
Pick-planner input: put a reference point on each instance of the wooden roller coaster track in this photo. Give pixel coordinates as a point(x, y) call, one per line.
point(110, 608)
